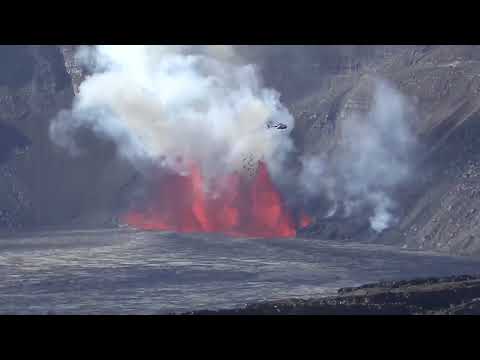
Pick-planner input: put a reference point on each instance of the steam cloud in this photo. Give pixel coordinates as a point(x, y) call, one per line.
point(202, 103)
point(371, 160)
point(162, 103)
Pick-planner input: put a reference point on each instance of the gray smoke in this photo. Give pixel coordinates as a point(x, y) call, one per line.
point(371, 159)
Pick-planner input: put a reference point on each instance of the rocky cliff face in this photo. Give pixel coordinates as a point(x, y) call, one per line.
point(42, 185)
point(439, 206)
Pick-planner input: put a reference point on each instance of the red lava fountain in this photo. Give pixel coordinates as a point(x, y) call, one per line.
point(244, 207)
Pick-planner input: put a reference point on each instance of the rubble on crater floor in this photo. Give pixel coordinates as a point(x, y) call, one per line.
point(453, 295)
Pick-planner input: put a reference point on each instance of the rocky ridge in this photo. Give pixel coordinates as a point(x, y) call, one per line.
point(457, 295)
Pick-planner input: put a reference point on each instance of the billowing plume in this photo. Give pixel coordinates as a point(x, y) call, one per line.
point(373, 157)
point(164, 103)
point(201, 107)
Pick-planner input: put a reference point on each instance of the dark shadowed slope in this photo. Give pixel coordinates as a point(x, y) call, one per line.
point(457, 295)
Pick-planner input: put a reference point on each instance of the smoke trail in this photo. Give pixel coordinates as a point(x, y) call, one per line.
point(163, 103)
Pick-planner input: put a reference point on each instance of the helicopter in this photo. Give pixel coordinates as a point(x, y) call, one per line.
point(278, 125)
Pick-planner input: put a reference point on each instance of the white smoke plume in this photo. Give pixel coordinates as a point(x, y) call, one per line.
point(161, 103)
point(204, 104)
point(372, 158)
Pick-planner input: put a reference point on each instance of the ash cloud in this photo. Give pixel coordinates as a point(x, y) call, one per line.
point(371, 160)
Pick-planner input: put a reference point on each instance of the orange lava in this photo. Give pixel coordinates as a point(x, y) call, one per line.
point(305, 220)
point(241, 208)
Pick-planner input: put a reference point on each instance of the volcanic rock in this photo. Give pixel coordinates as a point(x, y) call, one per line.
point(41, 184)
point(435, 206)
point(439, 296)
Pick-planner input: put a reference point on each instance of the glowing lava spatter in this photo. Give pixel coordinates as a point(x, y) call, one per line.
point(305, 220)
point(242, 208)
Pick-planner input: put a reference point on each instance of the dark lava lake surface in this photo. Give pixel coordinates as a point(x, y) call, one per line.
point(124, 271)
